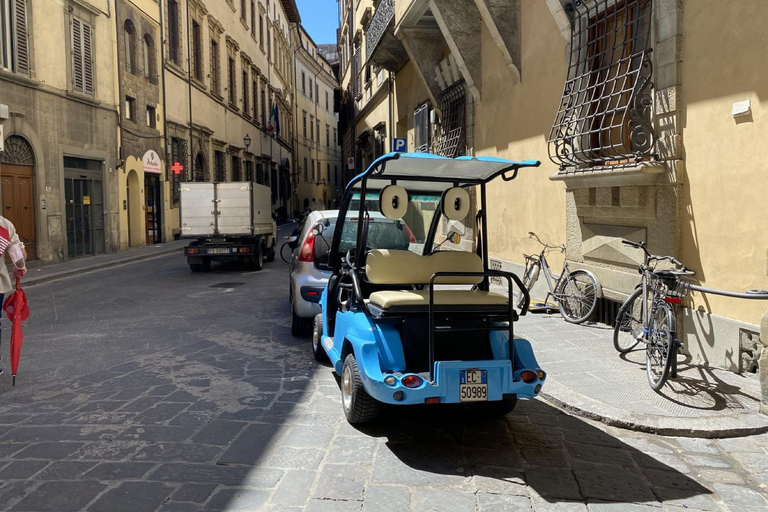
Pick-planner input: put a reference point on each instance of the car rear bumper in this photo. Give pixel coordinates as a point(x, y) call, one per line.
point(304, 284)
point(502, 383)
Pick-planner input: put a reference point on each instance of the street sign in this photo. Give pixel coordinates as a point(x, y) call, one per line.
point(177, 168)
point(399, 145)
point(351, 163)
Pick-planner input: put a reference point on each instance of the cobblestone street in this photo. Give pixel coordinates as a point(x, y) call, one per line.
point(149, 388)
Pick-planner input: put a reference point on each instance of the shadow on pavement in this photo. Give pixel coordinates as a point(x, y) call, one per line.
point(560, 457)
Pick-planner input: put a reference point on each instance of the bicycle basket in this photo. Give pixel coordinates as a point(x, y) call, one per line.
point(670, 284)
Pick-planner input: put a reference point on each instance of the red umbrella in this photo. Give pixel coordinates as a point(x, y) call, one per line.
point(17, 309)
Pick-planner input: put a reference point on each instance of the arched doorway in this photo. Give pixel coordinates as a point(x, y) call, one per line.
point(135, 228)
point(18, 189)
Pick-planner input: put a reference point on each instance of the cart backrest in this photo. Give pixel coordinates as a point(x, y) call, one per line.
point(385, 266)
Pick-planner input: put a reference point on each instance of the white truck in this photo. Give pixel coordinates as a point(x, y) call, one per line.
point(227, 221)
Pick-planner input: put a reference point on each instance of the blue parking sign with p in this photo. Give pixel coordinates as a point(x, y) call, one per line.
point(399, 145)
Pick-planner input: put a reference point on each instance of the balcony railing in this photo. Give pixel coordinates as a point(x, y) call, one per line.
point(380, 22)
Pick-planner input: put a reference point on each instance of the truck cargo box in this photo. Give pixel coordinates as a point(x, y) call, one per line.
point(225, 209)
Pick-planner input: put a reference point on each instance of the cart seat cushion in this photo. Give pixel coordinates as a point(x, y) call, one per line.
point(420, 298)
point(384, 266)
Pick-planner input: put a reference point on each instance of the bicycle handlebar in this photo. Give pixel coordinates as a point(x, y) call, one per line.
point(652, 257)
point(533, 235)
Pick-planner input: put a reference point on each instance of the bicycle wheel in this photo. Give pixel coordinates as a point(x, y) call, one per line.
point(578, 297)
point(660, 347)
point(628, 331)
point(529, 279)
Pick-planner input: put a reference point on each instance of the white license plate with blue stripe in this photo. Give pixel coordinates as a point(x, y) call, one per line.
point(473, 385)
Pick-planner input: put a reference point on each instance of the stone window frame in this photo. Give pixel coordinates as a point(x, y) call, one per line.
point(215, 31)
point(177, 63)
point(233, 49)
point(86, 18)
point(19, 52)
point(255, 74)
point(197, 14)
point(245, 75)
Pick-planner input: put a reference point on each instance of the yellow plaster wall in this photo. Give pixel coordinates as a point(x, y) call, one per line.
point(723, 201)
point(513, 121)
point(138, 221)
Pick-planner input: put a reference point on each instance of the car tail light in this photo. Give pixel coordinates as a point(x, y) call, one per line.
point(192, 251)
point(542, 374)
point(673, 300)
point(308, 249)
point(432, 400)
point(245, 249)
point(527, 376)
point(411, 238)
point(412, 381)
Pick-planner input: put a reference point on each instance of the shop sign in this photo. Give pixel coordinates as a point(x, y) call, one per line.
point(151, 161)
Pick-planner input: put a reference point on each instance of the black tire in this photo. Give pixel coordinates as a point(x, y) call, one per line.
point(299, 326)
point(282, 252)
point(577, 297)
point(317, 339)
point(257, 260)
point(205, 266)
point(661, 348)
point(269, 256)
point(359, 407)
point(628, 331)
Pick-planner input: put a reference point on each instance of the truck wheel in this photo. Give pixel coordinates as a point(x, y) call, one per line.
point(270, 256)
point(359, 407)
point(257, 260)
point(317, 339)
point(205, 266)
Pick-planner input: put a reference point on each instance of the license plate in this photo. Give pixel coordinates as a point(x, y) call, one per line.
point(219, 251)
point(473, 385)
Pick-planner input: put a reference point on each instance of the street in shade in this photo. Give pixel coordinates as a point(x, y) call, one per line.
point(188, 397)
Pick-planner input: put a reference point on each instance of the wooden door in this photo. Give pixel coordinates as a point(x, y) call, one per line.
point(19, 203)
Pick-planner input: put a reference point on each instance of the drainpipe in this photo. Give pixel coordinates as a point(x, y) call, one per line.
point(190, 176)
point(390, 93)
point(165, 105)
point(120, 97)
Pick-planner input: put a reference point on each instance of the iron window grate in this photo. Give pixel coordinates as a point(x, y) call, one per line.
point(604, 117)
point(453, 101)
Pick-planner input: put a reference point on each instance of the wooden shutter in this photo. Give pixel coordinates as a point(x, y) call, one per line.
point(77, 54)
point(21, 43)
point(88, 58)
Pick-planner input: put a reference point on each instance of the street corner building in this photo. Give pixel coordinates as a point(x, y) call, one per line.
point(648, 115)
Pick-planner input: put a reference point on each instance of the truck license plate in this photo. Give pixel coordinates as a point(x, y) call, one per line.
point(218, 251)
point(473, 385)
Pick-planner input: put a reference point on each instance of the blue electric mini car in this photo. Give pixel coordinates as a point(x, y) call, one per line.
point(408, 317)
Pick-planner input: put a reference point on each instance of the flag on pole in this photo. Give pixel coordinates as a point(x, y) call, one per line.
point(273, 128)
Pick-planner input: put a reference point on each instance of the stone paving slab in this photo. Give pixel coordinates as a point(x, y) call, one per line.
point(587, 377)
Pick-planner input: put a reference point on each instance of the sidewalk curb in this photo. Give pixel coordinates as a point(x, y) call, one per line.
point(690, 427)
point(32, 281)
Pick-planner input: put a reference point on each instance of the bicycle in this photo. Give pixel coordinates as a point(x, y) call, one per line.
point(575, 292)
point(649, 315)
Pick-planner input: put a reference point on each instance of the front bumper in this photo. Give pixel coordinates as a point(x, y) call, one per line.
point(502, 384)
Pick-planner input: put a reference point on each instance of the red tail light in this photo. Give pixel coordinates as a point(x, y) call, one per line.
point(308, 249)
point(673, 300)
point(527, 376)
point(411, 238)
point(432, 400)
point(412, 381)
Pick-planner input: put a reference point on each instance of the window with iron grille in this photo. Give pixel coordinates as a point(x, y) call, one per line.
point(421, 128)
point(249, 175)
point(453, 102)
point(178, 154)
point(219, 167)
point(604, 117)
point(237, 174)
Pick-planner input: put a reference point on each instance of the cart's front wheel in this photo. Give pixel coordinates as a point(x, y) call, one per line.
point(317, 339)
point(577, 297)
point(359, 407)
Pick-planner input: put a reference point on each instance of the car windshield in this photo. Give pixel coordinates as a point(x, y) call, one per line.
point(409, 233)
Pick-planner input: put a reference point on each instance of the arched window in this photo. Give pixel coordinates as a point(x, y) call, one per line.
point(130, 47)
point(150, 65)
point(200, 170)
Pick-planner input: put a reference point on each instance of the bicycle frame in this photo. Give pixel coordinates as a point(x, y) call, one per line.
point(549, 276)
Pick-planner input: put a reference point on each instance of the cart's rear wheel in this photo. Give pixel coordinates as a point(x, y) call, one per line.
point(359, 407)
point(317, 339)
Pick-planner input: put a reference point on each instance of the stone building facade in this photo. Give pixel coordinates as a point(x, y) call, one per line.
point(641, 135)
point(59, 164)
point(318, 155)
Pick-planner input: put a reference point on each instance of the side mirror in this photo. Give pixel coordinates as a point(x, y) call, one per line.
point(293, 241)
point(318, 229)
